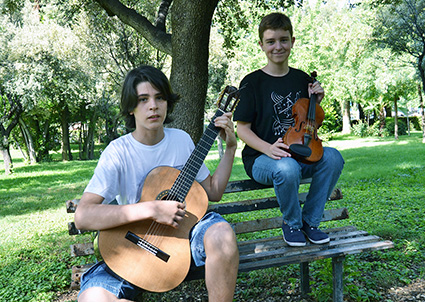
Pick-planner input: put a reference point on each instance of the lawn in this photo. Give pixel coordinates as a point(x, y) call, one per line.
point(383, 186)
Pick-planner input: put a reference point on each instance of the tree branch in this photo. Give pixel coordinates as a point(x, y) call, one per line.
point(157, 37)
point(162, 14)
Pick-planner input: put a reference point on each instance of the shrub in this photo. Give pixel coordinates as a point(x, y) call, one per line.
point(360, 129)
point(390, 124)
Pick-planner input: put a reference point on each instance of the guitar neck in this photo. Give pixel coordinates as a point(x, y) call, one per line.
point(188, 174)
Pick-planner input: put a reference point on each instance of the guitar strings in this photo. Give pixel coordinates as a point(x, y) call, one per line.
point(156, 230)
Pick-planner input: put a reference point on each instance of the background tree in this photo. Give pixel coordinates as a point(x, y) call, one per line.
point(65, 61)
point(186, 40)
point(402, 29)
point(48, 77)
point(11, 110)
point(188, 46)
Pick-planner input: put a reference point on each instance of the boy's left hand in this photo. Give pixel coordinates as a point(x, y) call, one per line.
point(228, 131)
point(316, 88)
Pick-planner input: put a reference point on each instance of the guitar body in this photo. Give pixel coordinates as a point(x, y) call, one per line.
point(136, 264)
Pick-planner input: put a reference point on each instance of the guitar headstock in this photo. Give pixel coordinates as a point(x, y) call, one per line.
point(228, 99)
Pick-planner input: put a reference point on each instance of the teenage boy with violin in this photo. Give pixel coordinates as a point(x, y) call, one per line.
point(125, 164)
point(263, 115)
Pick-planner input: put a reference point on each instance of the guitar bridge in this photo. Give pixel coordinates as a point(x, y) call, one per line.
point(147, 246)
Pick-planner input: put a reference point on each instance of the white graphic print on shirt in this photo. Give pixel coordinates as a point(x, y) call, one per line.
point(282, 112)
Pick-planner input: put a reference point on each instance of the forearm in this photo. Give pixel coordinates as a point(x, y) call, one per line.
point(91, 215)
point(221, 175)
point(251, 139)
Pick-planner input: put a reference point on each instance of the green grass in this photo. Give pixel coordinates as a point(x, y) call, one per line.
point(383, 186)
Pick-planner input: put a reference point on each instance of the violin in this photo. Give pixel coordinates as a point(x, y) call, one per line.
point(304, 144)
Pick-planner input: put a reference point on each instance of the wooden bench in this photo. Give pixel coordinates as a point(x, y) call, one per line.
point(250, 218)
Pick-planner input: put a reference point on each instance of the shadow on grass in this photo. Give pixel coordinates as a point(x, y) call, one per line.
point(43, 186)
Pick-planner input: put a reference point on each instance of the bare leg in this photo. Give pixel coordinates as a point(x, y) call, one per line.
point(221, 265)
point(97, 294)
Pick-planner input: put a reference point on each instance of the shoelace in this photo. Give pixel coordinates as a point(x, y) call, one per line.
point(294, 230)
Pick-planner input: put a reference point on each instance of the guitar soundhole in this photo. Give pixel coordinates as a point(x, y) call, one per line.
point(162, 195)
point(165, 195)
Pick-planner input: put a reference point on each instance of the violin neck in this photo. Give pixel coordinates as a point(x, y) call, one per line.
point(312, 107)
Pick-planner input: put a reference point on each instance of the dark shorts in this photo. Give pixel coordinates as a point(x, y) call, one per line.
point(99, 275)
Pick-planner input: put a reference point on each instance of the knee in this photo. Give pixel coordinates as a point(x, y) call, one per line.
point(96, 294)
point(287, 170)
point(220, 240)
point(333, 157)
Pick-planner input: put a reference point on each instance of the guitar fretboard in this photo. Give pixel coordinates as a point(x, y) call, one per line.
point(188, 174)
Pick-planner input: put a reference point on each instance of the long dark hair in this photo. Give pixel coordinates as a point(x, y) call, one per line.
point(129, 99)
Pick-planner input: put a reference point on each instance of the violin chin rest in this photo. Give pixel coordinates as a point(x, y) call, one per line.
point(300, 150)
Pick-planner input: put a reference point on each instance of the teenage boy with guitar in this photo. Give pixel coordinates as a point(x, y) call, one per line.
point(263, 115)
point(123, 170)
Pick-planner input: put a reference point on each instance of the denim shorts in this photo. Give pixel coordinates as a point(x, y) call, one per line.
point(100, 275)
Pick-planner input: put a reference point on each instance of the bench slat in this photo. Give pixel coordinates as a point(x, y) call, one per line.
point(280, 248)
point(327, 253)
point(72, 229)
point(250, 246)
point(276, 222)
point(82, 249)
point(232, 187)
point(250, 185)
point(76, 273)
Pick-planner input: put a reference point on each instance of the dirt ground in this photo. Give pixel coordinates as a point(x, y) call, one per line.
point(414, 292)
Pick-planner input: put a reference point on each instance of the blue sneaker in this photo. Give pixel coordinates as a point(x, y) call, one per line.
point(314, 234)
point(293, 237)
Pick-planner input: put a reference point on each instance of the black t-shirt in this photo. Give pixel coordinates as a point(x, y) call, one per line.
point(266, 102)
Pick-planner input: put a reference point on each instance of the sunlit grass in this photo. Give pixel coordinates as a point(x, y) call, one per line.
point(382, 182)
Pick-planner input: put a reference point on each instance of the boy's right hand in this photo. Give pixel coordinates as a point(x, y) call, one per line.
point(277, 150)
point(168, 212)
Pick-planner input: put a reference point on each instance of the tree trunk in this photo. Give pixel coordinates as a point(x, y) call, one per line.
point(361, 112)
point(110, 129)
point(89, 139)
point(346, 121)
point(421, 100)
point(191, 21)
point(188, 45)
point(24, 155)
point(395, 118)
point(28, 141)
point(388, 112)
point(382, 119)
point(43, 152)
point(10, 115)
point(66, 146)
point(422, 73)
point(7, 159)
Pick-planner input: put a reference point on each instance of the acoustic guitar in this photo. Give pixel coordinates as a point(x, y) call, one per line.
point(154, 256)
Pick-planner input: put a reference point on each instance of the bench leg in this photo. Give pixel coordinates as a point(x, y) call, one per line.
point(305, 278)
point(338, 286)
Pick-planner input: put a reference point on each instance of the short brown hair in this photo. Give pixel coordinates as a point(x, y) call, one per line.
point(275, 21)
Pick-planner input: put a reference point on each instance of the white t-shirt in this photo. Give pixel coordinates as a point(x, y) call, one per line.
point(125, 163)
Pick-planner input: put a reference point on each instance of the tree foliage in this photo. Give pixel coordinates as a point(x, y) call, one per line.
point(65, 60)
point(402, 29)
